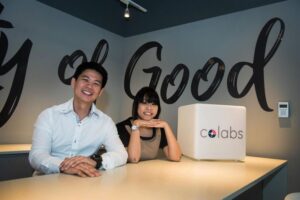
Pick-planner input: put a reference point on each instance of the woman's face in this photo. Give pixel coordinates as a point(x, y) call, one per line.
point(147, 111)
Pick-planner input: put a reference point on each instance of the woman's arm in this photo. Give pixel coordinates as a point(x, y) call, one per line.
point(172, 150)
point(134, 145)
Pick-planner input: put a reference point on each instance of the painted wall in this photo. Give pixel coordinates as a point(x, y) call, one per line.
point(54, 35)
point(231, 38)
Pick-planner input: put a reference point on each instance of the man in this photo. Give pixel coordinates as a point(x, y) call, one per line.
point(66, 135)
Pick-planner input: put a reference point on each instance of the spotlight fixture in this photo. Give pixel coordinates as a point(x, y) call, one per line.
point(130, 2)
point(126, 13)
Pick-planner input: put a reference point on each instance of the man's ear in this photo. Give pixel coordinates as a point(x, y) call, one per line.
point(102, 89)
point(73, 80)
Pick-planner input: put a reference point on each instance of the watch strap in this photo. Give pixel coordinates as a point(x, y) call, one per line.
point(97, 159)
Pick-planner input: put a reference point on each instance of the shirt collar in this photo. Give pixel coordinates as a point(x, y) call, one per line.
point(94, 110)
point(68, 107)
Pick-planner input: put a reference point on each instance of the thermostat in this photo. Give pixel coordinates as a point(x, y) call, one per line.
point(283, 109)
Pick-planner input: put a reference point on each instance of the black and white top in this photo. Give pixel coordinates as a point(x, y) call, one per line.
point(149, 145)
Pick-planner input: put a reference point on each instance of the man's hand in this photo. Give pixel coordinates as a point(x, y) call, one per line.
point(73, 161)
point(79, 165)
point(82, 170)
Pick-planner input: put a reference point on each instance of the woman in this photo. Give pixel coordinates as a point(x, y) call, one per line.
point(144, 133)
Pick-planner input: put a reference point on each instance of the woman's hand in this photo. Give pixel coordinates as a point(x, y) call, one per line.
point(153, 123)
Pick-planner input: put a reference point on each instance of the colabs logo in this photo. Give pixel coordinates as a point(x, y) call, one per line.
point(212, 133)
point(225, 133)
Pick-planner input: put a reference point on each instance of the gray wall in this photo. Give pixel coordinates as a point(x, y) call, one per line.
point(54, 34)
point(231, 38)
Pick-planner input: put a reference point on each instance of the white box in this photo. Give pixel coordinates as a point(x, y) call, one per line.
point(213, 132)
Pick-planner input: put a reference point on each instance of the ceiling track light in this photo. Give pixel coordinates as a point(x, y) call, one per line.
point(126, 13)
point(128, 3)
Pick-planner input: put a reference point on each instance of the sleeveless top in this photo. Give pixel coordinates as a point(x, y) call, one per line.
point(149, 145)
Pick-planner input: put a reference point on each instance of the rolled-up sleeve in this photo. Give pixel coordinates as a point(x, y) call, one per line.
point(59, 134)
point(40, 155)
point(116, 153)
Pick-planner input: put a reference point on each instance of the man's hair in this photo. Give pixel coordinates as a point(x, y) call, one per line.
point(94, 66)
point(145, 95)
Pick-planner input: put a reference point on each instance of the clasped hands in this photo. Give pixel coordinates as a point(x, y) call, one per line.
point(79, 165)
point(153, 123)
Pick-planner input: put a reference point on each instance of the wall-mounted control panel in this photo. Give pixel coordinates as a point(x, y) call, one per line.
point(283, 109)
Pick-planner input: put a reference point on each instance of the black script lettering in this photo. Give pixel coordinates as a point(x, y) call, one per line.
point(4, 23)
point(70, 60)
point(202, 74)
point(156, 71)
point(20, 60)
point(259, 62)
point(257, 78)
point(169, 79)
point(98, 50)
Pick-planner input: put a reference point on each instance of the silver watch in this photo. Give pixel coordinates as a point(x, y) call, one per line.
point(134, 127)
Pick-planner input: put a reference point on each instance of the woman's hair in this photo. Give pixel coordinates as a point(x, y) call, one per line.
point(145, 95)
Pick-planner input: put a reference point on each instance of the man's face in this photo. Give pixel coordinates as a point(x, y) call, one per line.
point(88, 86)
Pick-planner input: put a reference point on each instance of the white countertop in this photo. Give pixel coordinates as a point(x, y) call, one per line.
point(156, 179)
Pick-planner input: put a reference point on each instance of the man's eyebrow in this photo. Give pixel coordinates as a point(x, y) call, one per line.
point(100, 82)
point(86, 76)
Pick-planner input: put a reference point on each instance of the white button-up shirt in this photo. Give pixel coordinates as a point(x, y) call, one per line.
point(58, 133)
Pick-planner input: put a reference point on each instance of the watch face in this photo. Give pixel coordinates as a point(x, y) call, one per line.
point(134, 127)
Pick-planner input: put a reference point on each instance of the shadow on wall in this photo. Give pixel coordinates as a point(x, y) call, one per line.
point(284, 122)
point(102, 102)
